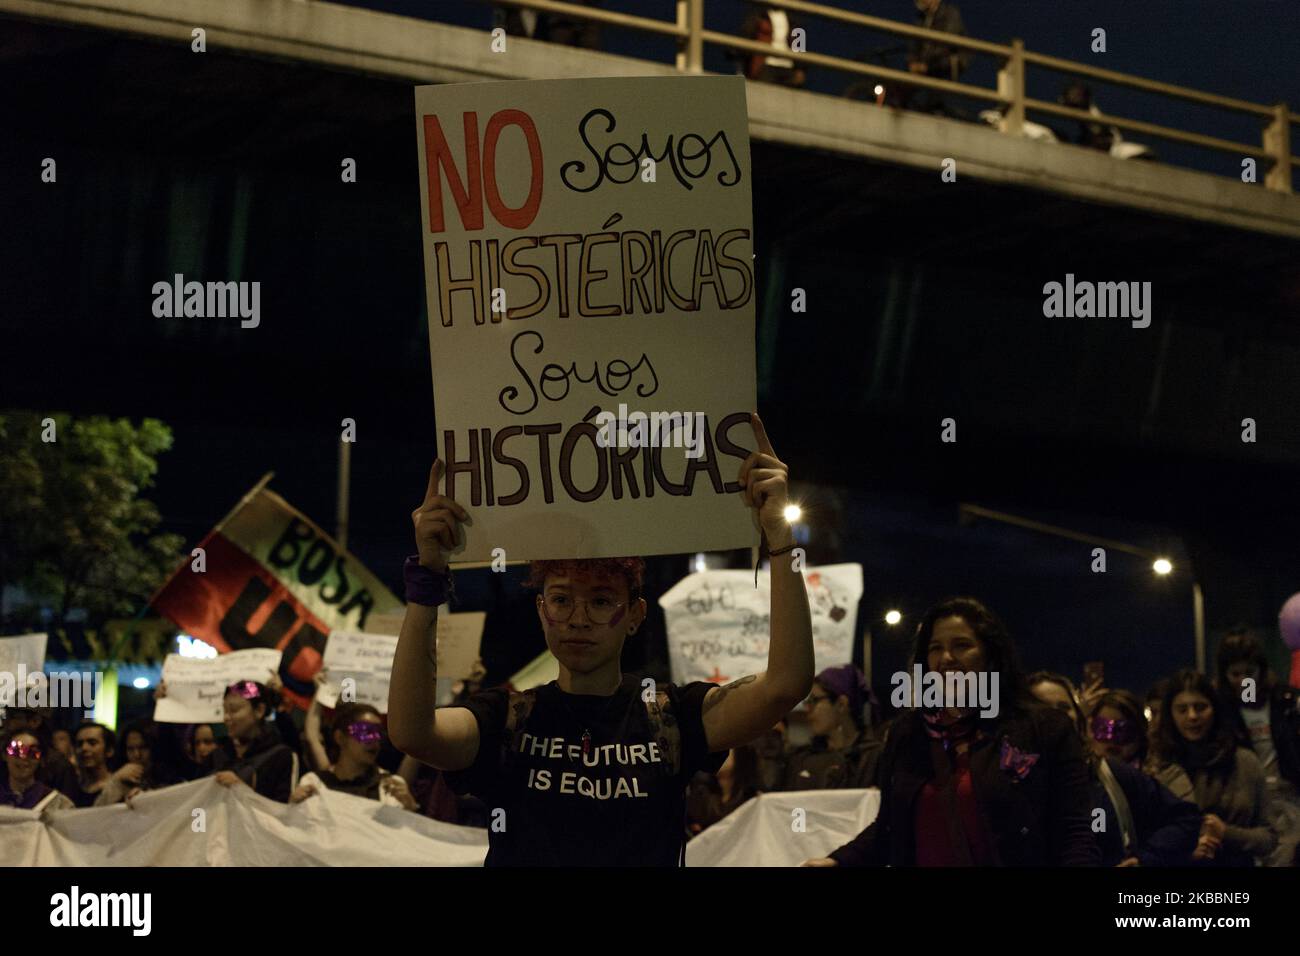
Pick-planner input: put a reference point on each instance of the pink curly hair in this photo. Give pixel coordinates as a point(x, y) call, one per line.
point(631, 570)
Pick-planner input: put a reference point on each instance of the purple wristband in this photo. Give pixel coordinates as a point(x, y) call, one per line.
point(424, 586)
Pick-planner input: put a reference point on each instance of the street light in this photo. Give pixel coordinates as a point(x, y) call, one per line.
point(892, 617)
point(1161, 566)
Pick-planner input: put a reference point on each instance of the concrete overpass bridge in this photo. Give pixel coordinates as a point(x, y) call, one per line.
point(343, 37)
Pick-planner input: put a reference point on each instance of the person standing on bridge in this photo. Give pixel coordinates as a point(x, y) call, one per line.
point(771, 25)
point(934, 58)
point(551, 27)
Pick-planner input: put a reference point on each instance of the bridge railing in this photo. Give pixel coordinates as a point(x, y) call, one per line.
point(1273, 151)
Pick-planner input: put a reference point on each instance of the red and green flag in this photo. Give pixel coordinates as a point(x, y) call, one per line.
point(268, 576)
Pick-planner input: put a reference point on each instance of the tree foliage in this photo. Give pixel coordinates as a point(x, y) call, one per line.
point(75, 532)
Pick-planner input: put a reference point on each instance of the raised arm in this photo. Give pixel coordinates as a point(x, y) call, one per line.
point(445, 738)
point(742, 710)
point(314, 735)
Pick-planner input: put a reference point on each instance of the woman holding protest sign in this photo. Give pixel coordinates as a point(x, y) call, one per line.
point(591, 769)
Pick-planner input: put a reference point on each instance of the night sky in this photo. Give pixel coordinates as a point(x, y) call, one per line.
point(344, 279)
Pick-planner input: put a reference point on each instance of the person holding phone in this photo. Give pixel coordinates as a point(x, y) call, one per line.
point(1094, 685)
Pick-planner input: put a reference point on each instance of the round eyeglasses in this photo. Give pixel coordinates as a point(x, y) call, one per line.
point(600, 610)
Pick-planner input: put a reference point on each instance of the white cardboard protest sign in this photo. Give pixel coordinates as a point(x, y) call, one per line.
point(459, 638)
point(719, 623)
point(195, 686)
point(25, 649)
point(20, 657)
point(588, 256)
point(367, 659)
point(364, 659)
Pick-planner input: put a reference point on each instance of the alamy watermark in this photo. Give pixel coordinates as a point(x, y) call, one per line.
point(37, 689)
point(74, 908)
point(933, 689)
point(181, 299)
point(1102, 300)
point(652, 430)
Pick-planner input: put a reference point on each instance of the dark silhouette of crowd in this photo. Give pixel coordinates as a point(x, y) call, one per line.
point(1202, 771)
point(258, 745)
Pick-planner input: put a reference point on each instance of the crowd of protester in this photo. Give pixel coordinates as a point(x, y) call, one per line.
point(258, 745)
point(1204, 772)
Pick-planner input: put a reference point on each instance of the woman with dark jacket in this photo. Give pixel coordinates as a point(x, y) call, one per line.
point(1143, 824)
point(1228, 780)
point(1263, 715)
point(999, 784)
point(251, 753)
point(842, 753)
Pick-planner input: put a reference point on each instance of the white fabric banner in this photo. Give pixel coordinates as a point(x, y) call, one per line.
point(719, 624)
point(767, 831)
point(196, 685)
point(238, 828)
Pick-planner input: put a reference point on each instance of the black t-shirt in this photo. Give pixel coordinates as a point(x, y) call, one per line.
point(366, 785)
point(620, 804)
point(267, 766)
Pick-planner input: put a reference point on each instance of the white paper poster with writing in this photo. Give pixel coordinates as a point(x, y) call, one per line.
point(195, 686)
point(357, 668)
point(588, 258)
point(367, 659)
point(20, 657)
point(718, 622)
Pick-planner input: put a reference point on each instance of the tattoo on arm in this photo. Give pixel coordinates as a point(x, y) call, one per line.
point(713, 700)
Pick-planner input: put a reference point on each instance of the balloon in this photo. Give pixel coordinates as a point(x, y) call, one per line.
point(1288, 622)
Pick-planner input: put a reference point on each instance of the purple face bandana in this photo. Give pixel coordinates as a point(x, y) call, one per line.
point(364, 732)
point(245, 689)
point(1113, 731)
point(23, 751)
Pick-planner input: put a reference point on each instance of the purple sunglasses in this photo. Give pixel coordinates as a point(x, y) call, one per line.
point(364, 732)
point(1113, 731)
